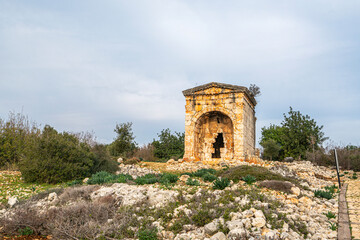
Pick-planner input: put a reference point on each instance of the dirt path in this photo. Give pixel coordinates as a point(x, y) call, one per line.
point(353, 200)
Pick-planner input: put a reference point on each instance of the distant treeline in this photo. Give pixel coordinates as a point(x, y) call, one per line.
point(46, 155)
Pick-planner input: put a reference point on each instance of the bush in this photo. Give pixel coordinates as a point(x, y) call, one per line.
point(330, 215)
point(25, 231)
point(124, 143)
point(147, 179)
point(260, 173)
point(148, 234)
point(348, 157)
point(202, 218)
point(323, 194)
point(331, 188)
point(169, 178)
point(169, 145)
point(248, 179)
point(146, 153)
point(208, 177)
point(102, 160)
point(277, 185)
point(202, 172)
point(192, 182)
point(14, 133)
point(54, 157)
point(74, 183)
point(221, 183)
point(101, 178)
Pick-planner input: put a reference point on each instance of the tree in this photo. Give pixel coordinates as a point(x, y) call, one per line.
point(254, 90)
point(53, 157)
point(169, 145)
point(124, 143)
point(271, 149)
point(296, 135)
point(13, 135)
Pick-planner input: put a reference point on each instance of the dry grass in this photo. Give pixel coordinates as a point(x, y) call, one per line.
point(277, 185)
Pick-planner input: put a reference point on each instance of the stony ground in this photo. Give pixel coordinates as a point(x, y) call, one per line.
point(12, 185)
point(353, 199)
point(185, 212)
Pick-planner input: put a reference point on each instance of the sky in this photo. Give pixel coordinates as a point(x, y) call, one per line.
point(87, 65)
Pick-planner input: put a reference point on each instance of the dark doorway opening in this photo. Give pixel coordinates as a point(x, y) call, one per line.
point(219, 143)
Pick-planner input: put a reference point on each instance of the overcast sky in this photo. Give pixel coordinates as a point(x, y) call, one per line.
point(86, 65)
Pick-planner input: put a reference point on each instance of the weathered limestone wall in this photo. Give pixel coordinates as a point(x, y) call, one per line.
point(216, 109)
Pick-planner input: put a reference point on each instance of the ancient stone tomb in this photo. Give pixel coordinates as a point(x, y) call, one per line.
point(219, 123)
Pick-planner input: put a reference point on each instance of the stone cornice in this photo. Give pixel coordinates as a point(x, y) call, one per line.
point(234, 88)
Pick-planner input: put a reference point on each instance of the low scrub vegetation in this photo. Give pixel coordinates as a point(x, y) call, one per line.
point(277, 185)
point(221, 183)
point(192, 182)
point(259, 173)
point(348, 157)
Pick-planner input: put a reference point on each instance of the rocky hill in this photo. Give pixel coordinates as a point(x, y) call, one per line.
point(294, 200)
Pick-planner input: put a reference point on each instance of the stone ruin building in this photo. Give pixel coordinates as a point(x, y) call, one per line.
point(219, 123)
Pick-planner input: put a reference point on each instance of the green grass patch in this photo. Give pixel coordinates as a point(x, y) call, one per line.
point(221, 183)
point(12, 185)
point(260, 173)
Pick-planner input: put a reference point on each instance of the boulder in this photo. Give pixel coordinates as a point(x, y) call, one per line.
point(234, 224)
point(259, 214)
point(12, 201)
point(120, 160)
point(295, 190)
point(53, 197)
point(258, 222)
point(170, 161)
point(184, 178)
point(237, 233)
point(218, 236)
point(211, 227)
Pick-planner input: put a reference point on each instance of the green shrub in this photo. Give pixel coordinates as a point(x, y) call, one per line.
point(201, 218)
point(277, 185)
point(124, 143)
point(14, 133)
point(323, 194)
point(330, 215)
point(53, 157)
point(248, 179)
point(148, 234)
point(208, 177)
point(169, 178)
point(169, 145)
point(333, 226)
point(123, 178)
point(331, 188)
point(147, 179)
point(221, 183)
point(260, 173)
point(202, 172)
point(354, 176)
point(192, 182)
point(26, 231)
point(74, 183)
point(102, 160)
point(101, 178)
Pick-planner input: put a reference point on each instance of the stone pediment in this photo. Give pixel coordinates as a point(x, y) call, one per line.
point(218, 88)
